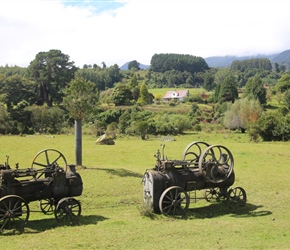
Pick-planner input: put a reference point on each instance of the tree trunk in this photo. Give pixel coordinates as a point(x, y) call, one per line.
point(78, 139)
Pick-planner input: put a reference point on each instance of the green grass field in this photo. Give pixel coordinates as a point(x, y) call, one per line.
point(112, 198)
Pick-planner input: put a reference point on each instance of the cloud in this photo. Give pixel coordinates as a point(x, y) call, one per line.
point(117, 32)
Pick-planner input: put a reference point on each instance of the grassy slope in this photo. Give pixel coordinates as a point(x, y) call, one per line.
point(112, 198)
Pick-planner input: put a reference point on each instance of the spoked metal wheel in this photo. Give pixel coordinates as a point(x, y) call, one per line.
point(47, 160)
point(237, 197)
point(212, 194)
point(216, 163)
point(67, 210)
point(47, 206)
point(174, 201)
point(14, 212)
point(194, 150)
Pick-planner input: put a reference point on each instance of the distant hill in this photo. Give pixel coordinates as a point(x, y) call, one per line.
point(142, 66)
point(282, 58)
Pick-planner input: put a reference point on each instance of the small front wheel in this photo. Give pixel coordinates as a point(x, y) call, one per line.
point(174, 201)
point(67, 210)
point(237, 197)
point(212, 194)
point(47, 205)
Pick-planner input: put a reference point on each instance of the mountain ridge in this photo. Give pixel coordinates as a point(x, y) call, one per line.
point(282, 58)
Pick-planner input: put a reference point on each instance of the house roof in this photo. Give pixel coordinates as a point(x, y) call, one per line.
point(175, 94)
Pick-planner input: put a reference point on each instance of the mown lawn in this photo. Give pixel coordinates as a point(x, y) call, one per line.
point(112, 198)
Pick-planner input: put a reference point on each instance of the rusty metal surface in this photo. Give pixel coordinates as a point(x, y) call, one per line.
point(206, 167)
point(49, 180)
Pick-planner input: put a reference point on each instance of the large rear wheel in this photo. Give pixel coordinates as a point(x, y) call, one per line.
point(14, 213)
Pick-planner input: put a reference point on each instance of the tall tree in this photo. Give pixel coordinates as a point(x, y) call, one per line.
point(208, 81)
point(52, 71)
point(80, 97)
point(79, 101)
point(228, 90)
point(121, 95)
point(16, 89)
point(134, 64)
point(287, 99)
point(144, 94)
point(283, 83)
point(255, 90)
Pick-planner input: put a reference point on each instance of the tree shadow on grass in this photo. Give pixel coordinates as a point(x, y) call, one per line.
point(41, 225)
point(121, 172)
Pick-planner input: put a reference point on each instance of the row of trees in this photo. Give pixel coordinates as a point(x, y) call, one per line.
point(167, 62)
point(255, 63)
point(52, 90)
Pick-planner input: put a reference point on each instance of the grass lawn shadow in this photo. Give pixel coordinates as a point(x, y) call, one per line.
point(41, 225)
point(120, 172)
point(215, 210)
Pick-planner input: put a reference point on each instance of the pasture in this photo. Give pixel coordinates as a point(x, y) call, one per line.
point(112, 207)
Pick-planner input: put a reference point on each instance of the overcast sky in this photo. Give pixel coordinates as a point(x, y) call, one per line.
point(121, 31)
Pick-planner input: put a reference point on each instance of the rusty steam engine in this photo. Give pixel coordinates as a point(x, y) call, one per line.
point(49, 180)
point(168, 187)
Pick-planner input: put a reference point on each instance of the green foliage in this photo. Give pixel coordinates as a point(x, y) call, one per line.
point(209, 81)
point(52, 71)
point(133, 64)
point(255, 90)
point(112, 129)
point(103, 78)
point(194, 108)
point(227, 91)
point(16, 89)
point(242, 113)
point(178, 62)
point(274, 127)
point(172, 124)
point(121, 95)
point(283, 83)
point(12, 70)
point(142, 128)
point(5, 125)
point(287, 98)
point(255, 63)
point(144, 94)
point(106, 96)
point(196, 97)
point(80, 98)
point(109, 116)
point(45, 119)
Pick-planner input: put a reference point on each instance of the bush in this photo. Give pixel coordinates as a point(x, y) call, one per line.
point(274, 127)
point(197, 128)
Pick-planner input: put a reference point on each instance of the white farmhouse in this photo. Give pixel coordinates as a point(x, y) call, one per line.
point(175, 95)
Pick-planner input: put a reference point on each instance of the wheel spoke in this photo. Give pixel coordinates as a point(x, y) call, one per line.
point(40, 164)
point(56, 159)
point(46, 157)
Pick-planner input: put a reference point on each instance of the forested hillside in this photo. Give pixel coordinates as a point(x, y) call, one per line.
point(251, 95)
